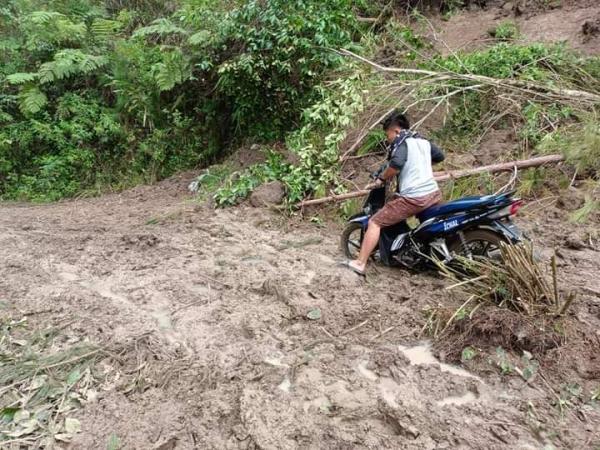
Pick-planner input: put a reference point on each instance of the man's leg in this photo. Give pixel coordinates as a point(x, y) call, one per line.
point(369, 243)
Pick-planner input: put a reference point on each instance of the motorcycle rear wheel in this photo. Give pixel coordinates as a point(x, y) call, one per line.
point(351, 240)
point(478, 244)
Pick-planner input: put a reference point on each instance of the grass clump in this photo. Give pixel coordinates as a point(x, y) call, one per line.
point(513, 302)
point(505, 31)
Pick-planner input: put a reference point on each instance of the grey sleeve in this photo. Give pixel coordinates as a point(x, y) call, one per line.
point(437, 155)
point(399, 156)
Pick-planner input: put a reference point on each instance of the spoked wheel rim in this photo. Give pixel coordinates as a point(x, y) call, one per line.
point(351, 240)
point(479, 245)
point(481, 249)
point(353, 243)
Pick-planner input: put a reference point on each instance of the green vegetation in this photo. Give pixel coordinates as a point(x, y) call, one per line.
point(93, 94)
point(101, 95)
point(506, 31)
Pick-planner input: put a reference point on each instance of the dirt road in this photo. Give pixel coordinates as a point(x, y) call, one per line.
point(219, 301)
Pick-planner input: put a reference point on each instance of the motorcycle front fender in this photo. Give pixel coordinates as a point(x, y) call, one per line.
point(362, 219)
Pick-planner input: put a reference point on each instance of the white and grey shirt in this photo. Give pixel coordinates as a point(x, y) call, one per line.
point(413, 156)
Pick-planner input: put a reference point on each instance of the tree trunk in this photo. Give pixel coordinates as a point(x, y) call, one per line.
point(449, 175)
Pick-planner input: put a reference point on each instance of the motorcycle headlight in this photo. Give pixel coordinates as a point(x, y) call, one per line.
point(367, 210)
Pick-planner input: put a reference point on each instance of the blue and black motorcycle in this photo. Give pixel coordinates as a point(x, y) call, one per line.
point(472, 227)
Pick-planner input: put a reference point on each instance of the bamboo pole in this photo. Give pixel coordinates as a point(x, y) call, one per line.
point(448, 175)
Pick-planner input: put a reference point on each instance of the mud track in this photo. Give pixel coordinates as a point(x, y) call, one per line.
point(226, 294)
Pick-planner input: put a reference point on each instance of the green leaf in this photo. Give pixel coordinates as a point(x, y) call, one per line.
point(160, 27)
point(72, 426)
point(468, 353)
point(20, 78)
point(31, 100)
point(113, 442)
point(199, 38)
point(73, 377)
point(314, 314)
point(8, 414)
point(103, 29)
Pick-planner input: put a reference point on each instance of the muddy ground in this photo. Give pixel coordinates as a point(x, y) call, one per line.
point(213, 308)
point(220, 299)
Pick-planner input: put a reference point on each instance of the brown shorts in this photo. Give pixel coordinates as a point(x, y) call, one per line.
point(401, 208)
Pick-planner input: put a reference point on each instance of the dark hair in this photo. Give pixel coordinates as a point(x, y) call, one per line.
point(398, 119)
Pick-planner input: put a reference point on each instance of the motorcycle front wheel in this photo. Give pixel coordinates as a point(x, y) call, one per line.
point(352, 239)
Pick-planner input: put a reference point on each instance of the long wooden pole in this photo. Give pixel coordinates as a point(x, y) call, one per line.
point(448, 175)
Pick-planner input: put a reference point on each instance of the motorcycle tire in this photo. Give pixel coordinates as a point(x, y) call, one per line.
point(488, 240)
point(349, 247)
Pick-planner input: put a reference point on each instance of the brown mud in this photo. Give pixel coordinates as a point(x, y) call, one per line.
point(235, 361)
point(223, 355)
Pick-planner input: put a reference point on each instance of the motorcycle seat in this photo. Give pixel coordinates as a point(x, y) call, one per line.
point(455, 206)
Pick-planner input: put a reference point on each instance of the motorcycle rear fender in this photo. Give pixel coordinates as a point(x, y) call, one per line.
point(510, 232)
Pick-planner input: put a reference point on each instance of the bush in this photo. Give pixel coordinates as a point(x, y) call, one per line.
point(118, 95)
point(505, 31)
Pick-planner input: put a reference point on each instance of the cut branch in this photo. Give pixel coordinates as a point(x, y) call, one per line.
point(448, 175)
point(532, 88)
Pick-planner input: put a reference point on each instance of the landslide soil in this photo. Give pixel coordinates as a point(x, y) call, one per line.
point(220, 300)
point(215, 303)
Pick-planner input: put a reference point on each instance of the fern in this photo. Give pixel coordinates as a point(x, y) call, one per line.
point(199, 38)
point(31, 100)
point(42, 27)
point(21, 78)
point(173, 70)
point(44, 17)
point(160, 27)
point(104, 29)
point(69, 62)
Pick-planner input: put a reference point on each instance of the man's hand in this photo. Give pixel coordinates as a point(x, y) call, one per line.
point(377, 183)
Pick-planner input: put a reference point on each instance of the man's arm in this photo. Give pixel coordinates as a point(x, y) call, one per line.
point(437, 156)
point(399, 156)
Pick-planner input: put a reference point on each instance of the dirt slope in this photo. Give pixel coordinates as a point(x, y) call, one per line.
point(576, 22)
point(218, 301)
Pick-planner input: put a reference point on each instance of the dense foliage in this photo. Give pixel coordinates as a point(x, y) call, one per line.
point(105, 93)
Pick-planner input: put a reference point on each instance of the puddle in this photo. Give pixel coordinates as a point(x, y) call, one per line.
point(68, 276)
point(389, 390)
point(285, 385)
point(163, 318)
point(368, 374)
point(421, 355)
point(275, 361)
point(458, 400)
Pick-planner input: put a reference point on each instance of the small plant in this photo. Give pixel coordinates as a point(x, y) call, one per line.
point(505, 31)
point(468, 354)
point(502, 361)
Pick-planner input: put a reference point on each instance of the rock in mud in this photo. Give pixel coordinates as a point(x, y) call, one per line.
point(590, 29)
point(268, 194)
point(574, 242)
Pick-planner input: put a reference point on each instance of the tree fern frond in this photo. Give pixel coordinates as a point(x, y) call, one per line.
point(69, 62)
point(199, 38)
point(173, 70)
point(31, 100)
point(104, 29)
point(20, 78)
point(161, 27)
point(43, 17)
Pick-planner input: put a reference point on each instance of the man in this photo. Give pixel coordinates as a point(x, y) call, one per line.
point(409, 159)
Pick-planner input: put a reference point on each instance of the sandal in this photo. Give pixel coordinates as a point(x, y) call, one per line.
point(347, 264)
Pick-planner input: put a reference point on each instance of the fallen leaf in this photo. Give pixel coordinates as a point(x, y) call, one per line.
point(314, 314)
point(72, 426)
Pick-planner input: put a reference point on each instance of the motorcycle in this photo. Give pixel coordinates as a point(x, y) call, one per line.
point(472, 227)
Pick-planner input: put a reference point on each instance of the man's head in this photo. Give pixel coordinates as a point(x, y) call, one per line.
point(394, 124)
